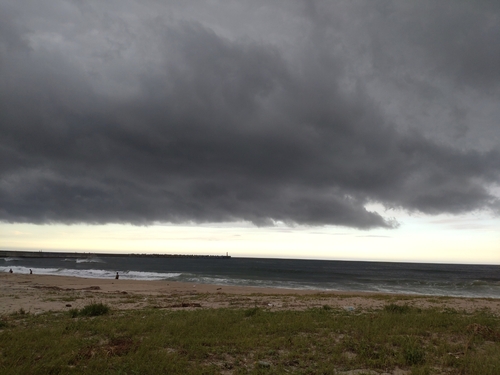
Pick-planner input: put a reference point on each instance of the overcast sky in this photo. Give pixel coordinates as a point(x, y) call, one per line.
point(297, 113)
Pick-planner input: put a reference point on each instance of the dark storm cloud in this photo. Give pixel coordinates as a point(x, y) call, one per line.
point(173, 113)
point(458, 41)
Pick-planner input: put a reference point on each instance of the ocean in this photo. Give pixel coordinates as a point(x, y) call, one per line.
point(321, 275)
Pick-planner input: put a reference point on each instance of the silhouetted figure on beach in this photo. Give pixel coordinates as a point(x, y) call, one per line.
point(117, 276)
point(10, 271)
point(31, 272)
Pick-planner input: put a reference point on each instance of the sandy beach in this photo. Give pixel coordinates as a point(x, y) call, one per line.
point(41, 293)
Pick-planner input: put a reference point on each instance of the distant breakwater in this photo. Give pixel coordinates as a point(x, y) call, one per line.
point(55, 254)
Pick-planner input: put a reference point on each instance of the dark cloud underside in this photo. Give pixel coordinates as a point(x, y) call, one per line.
point(153, 111)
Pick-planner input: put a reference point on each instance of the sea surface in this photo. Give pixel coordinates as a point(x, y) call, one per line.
point(321, 275)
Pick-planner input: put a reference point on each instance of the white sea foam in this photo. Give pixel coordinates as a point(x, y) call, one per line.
point(84, 260)
point(261, 283)
point(94, 274)
point(20, 269)
point(136, 275)
point(90, 260)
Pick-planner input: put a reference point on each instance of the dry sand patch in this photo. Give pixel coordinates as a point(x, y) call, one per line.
point(41, 293)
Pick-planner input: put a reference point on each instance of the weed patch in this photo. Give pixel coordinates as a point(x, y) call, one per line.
point(251, 312)
point(397, 309)
point(413, 353)
point(254, 341)
point(93, 309)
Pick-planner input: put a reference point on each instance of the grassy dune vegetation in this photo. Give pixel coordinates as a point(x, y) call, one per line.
point(396, 339)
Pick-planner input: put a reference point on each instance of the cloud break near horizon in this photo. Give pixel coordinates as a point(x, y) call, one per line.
point(252, 116)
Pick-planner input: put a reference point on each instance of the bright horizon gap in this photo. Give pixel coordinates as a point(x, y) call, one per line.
point(440, 240)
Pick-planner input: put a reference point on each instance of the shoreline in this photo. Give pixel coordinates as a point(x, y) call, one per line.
point(43, 293)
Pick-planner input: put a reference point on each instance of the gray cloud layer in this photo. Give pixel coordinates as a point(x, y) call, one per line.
point(294, 111)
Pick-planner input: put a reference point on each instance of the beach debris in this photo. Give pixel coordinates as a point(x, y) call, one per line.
point(484, 331)
point(119, 346)
point(187, 304)
point(49, 287)
point(349, 308)
point(263, 364)
point(68, 305)
point(457, 355)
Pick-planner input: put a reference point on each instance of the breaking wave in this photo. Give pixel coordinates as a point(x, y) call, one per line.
point(95, 274)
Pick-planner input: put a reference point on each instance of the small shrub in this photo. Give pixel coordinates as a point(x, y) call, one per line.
point(251, 312)
point(73, 313)
point(3, 323)
point(94, 309)
point(414, 355)
point(397, 309)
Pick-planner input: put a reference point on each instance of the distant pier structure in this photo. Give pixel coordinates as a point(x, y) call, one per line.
point(56, 254)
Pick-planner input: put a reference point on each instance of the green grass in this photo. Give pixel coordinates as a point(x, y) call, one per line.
point(93, 309)
point(397, 309)
point(251, 341)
